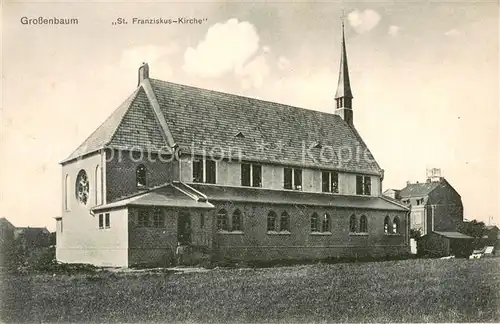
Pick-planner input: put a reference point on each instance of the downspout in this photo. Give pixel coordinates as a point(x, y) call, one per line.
point(432, 219)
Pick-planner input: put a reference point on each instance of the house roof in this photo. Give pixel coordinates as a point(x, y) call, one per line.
point(272, 132)
point(269, 196)
point(453, 235)
point(32, 230)
point(104, 133)
point(199, 120)
point(163, 196)
point(418, 189)
point(197, 195)
point(5, 222)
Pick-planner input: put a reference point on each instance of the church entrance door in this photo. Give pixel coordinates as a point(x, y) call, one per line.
point(184, 228)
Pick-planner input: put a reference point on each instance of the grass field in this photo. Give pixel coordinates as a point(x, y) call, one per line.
point(425, 290)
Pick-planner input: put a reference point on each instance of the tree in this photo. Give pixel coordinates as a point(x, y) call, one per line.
point(415, 234)
point(475, 229)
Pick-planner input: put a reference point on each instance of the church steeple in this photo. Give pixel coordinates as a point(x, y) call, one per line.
point(343, 96)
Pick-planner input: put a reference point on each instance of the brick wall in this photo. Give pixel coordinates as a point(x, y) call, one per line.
point(447, 206)
point(121, 172)
point(256, 244)
point(156, 246)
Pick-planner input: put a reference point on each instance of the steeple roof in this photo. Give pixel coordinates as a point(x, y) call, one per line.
point(344, 86)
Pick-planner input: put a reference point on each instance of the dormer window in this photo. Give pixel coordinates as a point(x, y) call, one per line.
point(240, 135)
point(292, 179)
point(317, 145)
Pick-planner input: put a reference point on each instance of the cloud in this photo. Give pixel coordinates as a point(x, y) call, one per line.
point(155, 56)
point(226, 47)
point(146, 53)
point(393, 30)
point(283, 63)
point(452, 33)
point(253, 73)
point(363, 21)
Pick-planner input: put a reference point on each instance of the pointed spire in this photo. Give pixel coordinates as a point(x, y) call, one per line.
point(344, 86)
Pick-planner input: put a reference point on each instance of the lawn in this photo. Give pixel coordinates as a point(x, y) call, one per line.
point(425, 290)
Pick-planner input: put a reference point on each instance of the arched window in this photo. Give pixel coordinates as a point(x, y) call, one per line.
point(325, 223)
point(352, 224)
point(284, 222)
point(363, 224)
point(395, 225)
point(66, 192)
point(271, 221)
point(222, 220)
point(140, 176)
point(387, 225)
point(314, 223)
point(97, 183)
point(237, 221)
point(82, 187)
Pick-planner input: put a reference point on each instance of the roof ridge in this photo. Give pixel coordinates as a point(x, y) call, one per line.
point(160, 118)
point(248, 97)
point(135, 94)
point(129, 99)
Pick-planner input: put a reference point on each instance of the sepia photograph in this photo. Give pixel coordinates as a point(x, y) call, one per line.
point(250, 162)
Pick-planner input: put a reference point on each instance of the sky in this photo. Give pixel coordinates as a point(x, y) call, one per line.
point(424, 78)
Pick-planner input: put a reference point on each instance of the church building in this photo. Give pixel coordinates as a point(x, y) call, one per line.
point(235, 178)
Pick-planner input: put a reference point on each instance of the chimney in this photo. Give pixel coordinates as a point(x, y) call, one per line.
point(428, 180)
point(408, 182)
point(143, 73)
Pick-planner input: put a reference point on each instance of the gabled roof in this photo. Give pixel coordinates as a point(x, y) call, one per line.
point(4, 223)
point(418, 189)
point(167, 195)
point(160, 115)
point(274, 133)
point(131, 126)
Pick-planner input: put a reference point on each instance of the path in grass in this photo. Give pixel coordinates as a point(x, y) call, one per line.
point(393, 291)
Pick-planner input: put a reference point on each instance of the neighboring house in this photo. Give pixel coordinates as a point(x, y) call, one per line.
point(6, 232)
point(491, 235)
point(440, 244)
point(32, 237)
point(435, 204)
point(6, 239)
point(236, 177)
